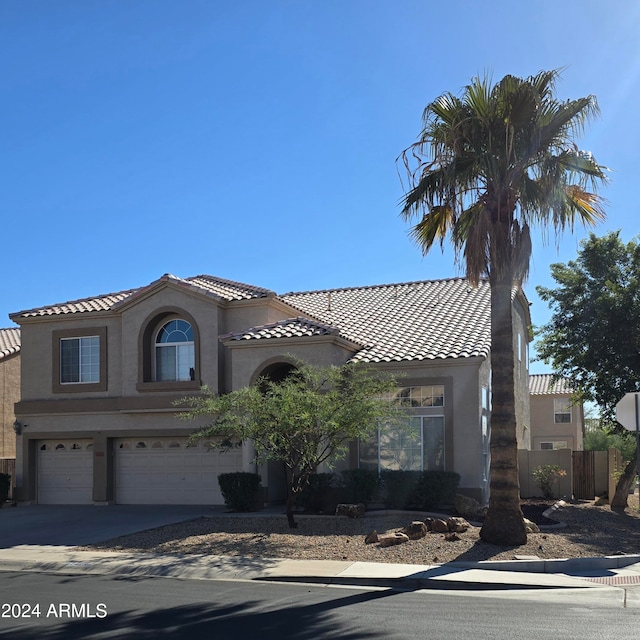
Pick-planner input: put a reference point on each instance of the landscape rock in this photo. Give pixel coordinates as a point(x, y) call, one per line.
point(371, 538)
point(439, 526)
point(452, 537)
point(468, 507)
point(549, 513)
point(392, 539)
point(428, 522)
point(531, 527)
point(415, 530)
point(458, 525)
point(351, 510)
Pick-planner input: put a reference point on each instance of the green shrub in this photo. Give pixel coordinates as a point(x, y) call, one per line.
point(360, 485)
point(399, 488)
point(240, 490)
point(423, 490)
point(435, 489)
point(5, 483)
point(318, 493)
point(545, 476)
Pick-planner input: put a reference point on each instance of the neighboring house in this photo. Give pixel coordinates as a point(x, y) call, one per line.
point(556, 422)
point(101, 376)
point(9, 389)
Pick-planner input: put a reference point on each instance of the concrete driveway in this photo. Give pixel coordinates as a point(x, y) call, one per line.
point(85, 524)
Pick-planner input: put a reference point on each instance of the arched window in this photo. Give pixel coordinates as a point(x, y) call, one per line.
point(174, 351)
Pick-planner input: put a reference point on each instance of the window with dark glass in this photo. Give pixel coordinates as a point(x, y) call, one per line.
point(174, 352)
point(80, 360)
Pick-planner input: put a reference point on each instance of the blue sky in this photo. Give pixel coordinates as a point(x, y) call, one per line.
point(257, 140)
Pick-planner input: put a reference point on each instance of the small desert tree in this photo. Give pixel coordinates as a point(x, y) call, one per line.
point(304, 420)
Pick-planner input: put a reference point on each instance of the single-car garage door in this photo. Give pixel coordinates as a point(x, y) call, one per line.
point(166, 471)
point(65, 471)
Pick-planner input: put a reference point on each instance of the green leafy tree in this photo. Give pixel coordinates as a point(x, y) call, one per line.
point(593, 337)
point(486, 167)
point(606, 435)
point(304, 420)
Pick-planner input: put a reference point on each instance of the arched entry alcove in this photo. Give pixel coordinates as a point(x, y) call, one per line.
point(276, 370)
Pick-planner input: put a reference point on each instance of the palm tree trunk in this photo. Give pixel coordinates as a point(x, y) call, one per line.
point(504, 522)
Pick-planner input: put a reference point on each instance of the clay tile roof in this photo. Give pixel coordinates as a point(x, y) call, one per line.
point(9, 342)
point(216, 287)
point(85, 305)
point(228, 289)
point(542, 383)
point(289, 328)
point(428, 320)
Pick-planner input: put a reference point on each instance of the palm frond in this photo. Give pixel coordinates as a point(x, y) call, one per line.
point(434, 226)
point(496, 160)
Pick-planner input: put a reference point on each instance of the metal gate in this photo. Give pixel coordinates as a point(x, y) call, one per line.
point(583, 475)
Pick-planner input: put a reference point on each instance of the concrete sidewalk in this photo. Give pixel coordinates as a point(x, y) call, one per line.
point(518, 574)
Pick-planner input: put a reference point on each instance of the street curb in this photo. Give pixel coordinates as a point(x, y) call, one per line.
point(554, 565)
point(235, 568)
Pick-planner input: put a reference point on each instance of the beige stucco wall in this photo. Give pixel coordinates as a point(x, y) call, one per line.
point(529, 460)
point(544, 428)
point(246, 360)
point(9, 395)
point(521, 331)
point(37, 355)
point(241, 315)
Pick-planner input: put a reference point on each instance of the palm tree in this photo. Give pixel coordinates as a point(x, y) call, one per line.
point(486, 167)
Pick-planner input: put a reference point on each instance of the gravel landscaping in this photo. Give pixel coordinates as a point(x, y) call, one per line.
point(590, 531)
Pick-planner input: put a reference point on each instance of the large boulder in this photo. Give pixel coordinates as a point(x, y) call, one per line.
point(468, 507)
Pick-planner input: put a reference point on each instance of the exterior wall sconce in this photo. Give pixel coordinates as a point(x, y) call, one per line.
point(17, 427)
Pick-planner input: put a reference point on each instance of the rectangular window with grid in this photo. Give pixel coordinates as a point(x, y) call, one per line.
point(80, 360)
point(417, 446)
point(423, 396)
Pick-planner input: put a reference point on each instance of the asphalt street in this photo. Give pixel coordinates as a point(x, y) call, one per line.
point(87, 607)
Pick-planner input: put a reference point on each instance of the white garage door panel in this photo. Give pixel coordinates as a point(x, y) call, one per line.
point(165, 471)
point(65, 472)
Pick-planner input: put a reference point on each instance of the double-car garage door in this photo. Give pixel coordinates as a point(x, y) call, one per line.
point(146, 471)
point(166, 471)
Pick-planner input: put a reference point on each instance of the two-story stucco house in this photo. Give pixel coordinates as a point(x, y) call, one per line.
point(100, 377)
point(556, 421)
point(9, 389)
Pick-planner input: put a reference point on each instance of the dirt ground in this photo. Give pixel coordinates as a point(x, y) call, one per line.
point(590, 531)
